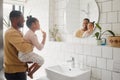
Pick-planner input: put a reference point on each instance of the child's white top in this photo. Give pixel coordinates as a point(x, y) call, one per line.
point(31, 37)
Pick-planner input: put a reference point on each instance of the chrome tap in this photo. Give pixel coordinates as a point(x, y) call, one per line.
point(72, 62)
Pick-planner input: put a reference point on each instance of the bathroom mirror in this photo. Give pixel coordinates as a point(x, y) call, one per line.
point(77, 10)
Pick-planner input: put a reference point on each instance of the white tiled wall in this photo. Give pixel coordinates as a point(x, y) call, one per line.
point(96, 74)
point(112, 17)
point(106, 6)
point(91, 61)
point(106, 75)
point(101, 63)
point(109, 64)
point(99, 58)
point(116, 28)
point(107, 26)
point(119, 16)
point(116, 5)
point(116, 53)
point(96, 51)
point(116, 76)
point(107, 52)
point(103, 18)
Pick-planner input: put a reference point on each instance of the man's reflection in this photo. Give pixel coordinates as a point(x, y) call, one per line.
point(90, 28)
point(80, 31)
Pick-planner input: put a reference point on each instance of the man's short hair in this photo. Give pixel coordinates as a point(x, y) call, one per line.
point(14, 14)
point(87, 19)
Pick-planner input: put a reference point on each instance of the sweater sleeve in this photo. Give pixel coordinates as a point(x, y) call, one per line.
point(17, 40)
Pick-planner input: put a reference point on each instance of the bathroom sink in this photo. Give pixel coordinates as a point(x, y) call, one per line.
point(61, 72)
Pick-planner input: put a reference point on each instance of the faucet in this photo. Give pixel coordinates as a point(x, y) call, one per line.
point(72, 62)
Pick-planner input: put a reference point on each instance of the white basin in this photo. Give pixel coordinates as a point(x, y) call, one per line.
point(60, 72)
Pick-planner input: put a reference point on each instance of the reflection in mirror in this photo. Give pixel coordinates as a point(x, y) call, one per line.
point(80, 31)
point(78, 14)
point(86, 30)
point(89, 31)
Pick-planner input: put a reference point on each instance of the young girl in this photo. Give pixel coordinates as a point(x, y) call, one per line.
point(33, 25)
point(90, 28)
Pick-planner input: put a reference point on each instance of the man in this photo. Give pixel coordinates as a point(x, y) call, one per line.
point(80, 32)
point(13, 43)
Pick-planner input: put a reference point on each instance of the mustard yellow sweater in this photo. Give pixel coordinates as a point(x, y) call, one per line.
point(79, 33)
point(14, 42)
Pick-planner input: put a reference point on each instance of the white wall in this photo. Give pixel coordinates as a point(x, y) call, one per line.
point(109, 14)
point(99, 58)
point(40, 10)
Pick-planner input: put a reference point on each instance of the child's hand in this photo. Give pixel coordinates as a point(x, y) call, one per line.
point(44, 34)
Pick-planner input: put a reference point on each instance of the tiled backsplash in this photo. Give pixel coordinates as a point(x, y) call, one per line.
point(99, 58)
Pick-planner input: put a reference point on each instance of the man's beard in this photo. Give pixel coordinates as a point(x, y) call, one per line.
point(19, 25)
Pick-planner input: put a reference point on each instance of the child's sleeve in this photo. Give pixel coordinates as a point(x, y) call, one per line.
point(36, 43)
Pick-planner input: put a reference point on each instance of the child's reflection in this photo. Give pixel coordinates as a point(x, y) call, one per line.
point(90, 28)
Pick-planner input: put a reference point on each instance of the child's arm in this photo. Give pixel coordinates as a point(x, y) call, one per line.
point(36, 43)
point(44, 37)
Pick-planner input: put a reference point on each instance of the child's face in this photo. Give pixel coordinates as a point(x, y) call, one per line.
point(37, 25)
point(90, 26)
